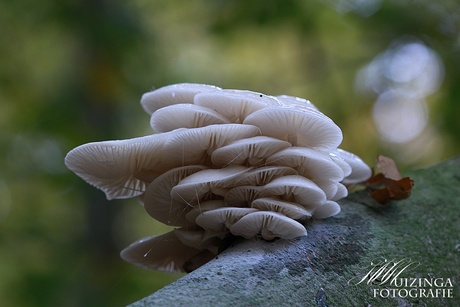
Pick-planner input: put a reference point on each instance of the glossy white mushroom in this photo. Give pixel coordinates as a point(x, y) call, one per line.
point(158, 201)
point(263, 175)
point(184, 116)
point(242, 196)
point(249, 151)
point(192, 188)
point(218, 220)
point(342, 192)
point(122, 169)
point(328, 209)
point(195, 146)
point(308, 162)
point(296, 102)
point(346, 168)
point(300, 127)
point(203, 207)
point(165, 253)
point(270, 225)
point(296, 189)
point(235, 105)
point(360, 170)
point(173, 94)
point(289, 209)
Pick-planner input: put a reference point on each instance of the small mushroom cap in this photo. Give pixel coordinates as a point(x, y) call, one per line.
point(263, 175)
point(195, 146)
point(203, 207)
point(122, 169)
point(242, 196)
point(173, 94)
point(184, 116)
point(301, 127)
point(235, 105)
point(292, 210)
point(360, 170)
point(308, 162)
point(218, 220)
point(342, 192)
point(269, 224)
point(158, 201)
point(346, 168)
point(192, 188)
point(294, 188)
point(328, 209)
point(296, 102)
point(165, 253)
point(251, 151)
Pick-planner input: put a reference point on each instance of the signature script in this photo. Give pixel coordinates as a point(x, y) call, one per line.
point(384, 271)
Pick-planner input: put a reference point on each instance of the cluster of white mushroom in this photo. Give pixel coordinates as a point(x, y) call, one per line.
point(222, 162)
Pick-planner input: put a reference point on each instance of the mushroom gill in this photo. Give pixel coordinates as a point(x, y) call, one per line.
point(222, 163)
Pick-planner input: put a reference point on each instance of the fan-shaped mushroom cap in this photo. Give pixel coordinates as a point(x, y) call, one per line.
point(292, 210)
point(242, 196)
point(294, 188)
point(308, 162)
point(173, 94)
point(203, 207)
point(300, 127)
point(342, 192)
point(192, 188)
point(263, 175)
point(235, 104)
point(122, 169)
point(218, 220)
point(296, 102)
point(269, 224)
point(165, 253)
point(158, 201)
point(184, 116)
point(360, 170)
point(252, 151)
point(346, 168)
point(329, 208)
point(195, 146)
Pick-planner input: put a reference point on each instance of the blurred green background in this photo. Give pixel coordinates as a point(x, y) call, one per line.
point(72, 72)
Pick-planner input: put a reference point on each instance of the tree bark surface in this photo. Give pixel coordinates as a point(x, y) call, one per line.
point(324, 268)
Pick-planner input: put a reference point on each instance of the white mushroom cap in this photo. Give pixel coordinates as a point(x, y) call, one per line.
point(263, 175)
point(342, 192)
point(252, 151)
point(235, 104)
point(294, 188)
point(203, 207)
point(218, 220)
point(173, 94)
point(242, 196)
point(158, 201)
point(164, 253)
point(296, 102)
point(184, 116)
point(292, 210)
point(269, 224)
point(195, 146)
point(308, 162)
point(192, 188)
point(360, 170)
point(328, 209)
point(121, 169)
point(346, 168)
point(300, 127)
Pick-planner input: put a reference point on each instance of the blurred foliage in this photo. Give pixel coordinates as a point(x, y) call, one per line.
point(72, 72)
